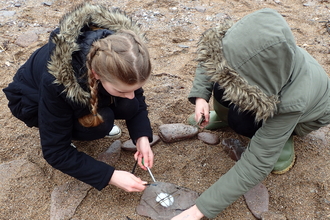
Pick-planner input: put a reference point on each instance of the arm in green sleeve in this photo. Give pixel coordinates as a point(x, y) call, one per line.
point(255, 164)
point(202, 86)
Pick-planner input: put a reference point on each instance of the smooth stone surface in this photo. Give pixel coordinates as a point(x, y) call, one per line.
point(112, 154)
point(176, 132)
point(183, 199)
point(66, 198)
point(257, 200)
point(208, 138)
point(129, 146)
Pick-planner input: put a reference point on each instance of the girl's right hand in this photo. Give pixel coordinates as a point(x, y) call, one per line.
point(202, 108)
point(127, 181)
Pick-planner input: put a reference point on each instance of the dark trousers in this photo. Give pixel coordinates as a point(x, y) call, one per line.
point(242, 123)
point(122, 109)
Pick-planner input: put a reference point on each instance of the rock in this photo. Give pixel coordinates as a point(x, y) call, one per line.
point(112, 154)
point(272, 216)
point(181, 199)
point(7, 13)
point(233, 148)
point(200, 9)
point(23, 183)
point(66, 198)
point(129, 146)
point(257, 200)
point(26, 39)
point(208, 138)
point(176, 132)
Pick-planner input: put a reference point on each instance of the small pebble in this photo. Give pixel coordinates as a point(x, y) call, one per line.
point(272, 216)
point(200, 9)
point(208, 138)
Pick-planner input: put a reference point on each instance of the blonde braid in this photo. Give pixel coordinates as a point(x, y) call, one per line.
point(94, 118)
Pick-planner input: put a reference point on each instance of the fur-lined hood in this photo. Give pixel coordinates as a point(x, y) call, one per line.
point(70, 26)
point(252, 60)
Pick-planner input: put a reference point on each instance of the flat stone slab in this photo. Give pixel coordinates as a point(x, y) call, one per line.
point(176, 132)
point(112, 154)
point(163, 201)
point(129, 146)
point(257, 200)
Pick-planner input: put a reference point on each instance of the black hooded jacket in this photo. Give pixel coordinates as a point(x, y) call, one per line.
point(50, 91)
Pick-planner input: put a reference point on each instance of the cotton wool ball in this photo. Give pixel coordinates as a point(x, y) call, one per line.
point(165, 199)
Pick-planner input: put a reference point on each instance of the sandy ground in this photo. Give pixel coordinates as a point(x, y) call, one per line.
point(173, 29)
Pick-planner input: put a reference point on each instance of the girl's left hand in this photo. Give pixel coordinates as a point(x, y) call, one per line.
point(144, 151)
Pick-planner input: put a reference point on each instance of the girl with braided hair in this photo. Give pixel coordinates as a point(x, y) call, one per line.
point(90, 73)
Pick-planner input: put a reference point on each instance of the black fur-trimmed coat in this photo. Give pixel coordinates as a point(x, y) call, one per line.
point(50, 91)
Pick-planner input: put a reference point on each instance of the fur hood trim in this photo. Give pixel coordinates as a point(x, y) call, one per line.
point(237, 90)
point(69, 29)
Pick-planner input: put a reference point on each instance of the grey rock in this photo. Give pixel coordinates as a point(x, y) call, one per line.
point(112, 154)
point(272, 216)
point(176, 132)
point(257, 200)
point(183, 199)
point(7, 13)
point(208, 138)
point(129, 146)
point(66, 198)
point(200, 9)
point(233, 147)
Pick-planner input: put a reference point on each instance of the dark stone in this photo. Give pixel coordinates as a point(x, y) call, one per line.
point(112, 154)
point(183, 199)
point(233, 148)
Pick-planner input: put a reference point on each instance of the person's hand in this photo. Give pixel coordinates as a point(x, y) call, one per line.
point(192, 213)
point(202, 108)
point(127, 181)
point(144, 151)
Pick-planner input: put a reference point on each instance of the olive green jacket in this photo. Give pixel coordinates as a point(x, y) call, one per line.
point(262, 70)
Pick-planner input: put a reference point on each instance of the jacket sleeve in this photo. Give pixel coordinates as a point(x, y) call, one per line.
point(202, 86)
point(139, 125)
point(55, 127)
point(255, 164)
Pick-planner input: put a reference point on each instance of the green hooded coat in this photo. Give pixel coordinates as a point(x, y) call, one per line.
point(262, 70)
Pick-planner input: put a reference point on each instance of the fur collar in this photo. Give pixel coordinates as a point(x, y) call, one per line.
point(65, 43)
point(237, 90)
